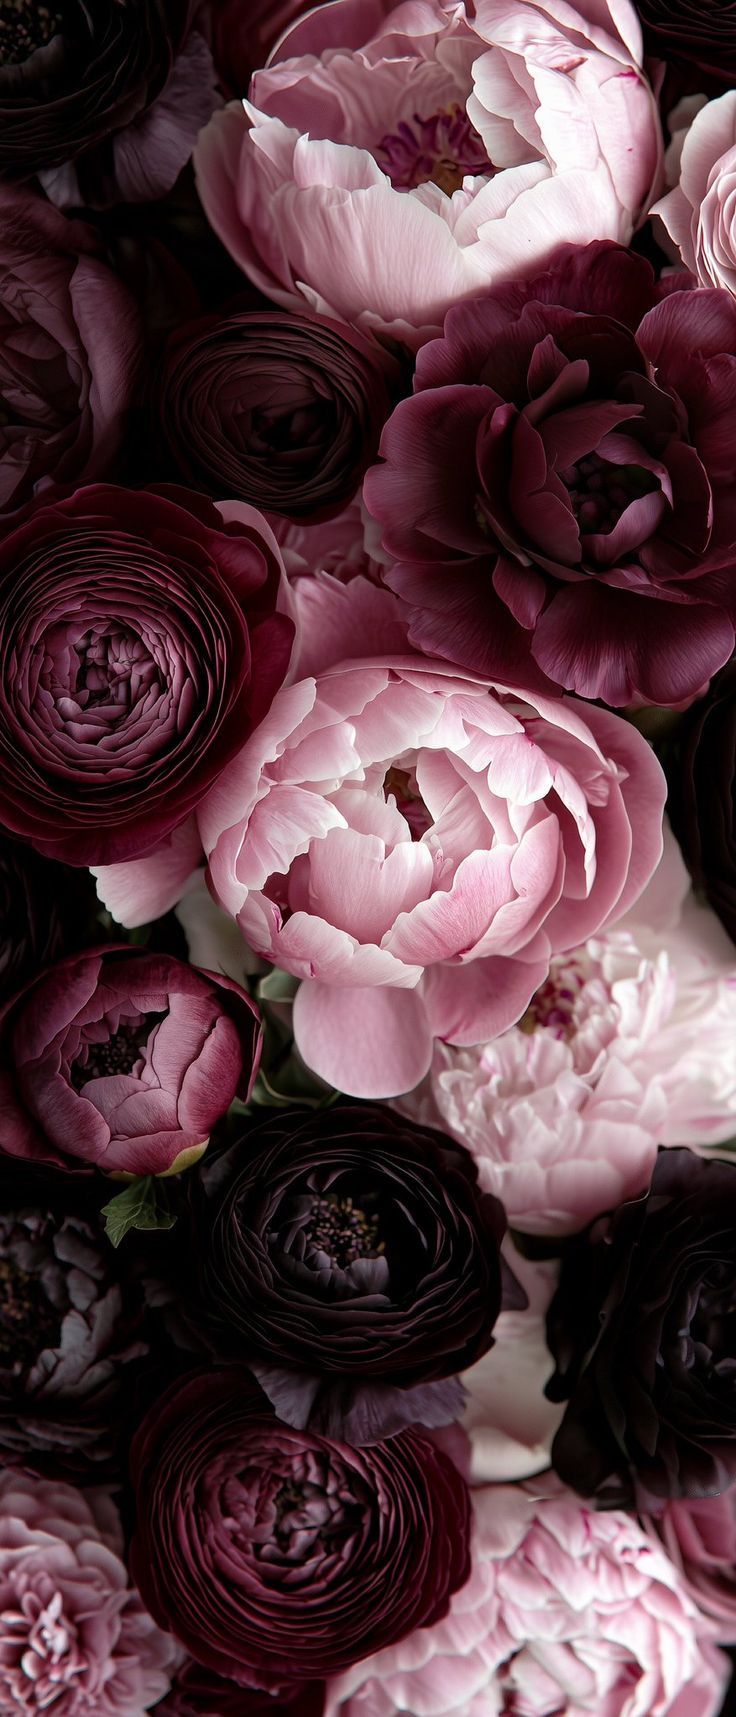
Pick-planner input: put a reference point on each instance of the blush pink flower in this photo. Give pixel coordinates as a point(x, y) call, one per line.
point(629, 1043)
point(415, 844)
point(566, 1611)
point(75, 1638)
point(699, 213)
point(699, 1534)
point(393, 159)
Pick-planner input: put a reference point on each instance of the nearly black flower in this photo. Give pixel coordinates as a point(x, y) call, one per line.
point(703, 794)
point(643, 1329)
point(702, 33)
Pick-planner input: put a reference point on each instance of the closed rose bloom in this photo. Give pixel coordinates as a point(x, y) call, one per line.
point(140, 642)
point(277, 1557)
point(283, 411)
point(566, 1611)
point(123, 1061)
point(642, 1329)
point(391, 160)
point(70, 351)
point(74, 1635)
point(563, 474)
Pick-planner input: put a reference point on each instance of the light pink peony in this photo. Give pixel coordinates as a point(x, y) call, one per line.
point(566, 1613)
point(508, 1420)
point(414, 844)
point(393, 159)
point(699, 213)
point(75, 1639)
point(700, 1537)
point(629, 1043)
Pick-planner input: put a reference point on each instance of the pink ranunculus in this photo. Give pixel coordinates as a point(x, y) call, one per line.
point(75, 1638)
point(629, 1043)
point(414, 844)
point(566, 1611)
point(393, 159)
point(699, 213)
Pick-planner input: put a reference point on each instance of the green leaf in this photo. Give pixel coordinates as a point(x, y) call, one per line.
point(143, 1204)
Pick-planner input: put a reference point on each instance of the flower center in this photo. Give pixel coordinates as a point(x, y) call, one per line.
point(401, 786)
point(441, 149)
point(112, 669)
point(118, 1053)
point(600, 492)
point(24, 26)
point(713, 1326)
point(555, 1003)
point(28, 1323)
point(310, 1514)
point(345, 1231)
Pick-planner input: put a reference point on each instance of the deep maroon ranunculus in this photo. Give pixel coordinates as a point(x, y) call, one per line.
point(560, 491)
point(139, 644)
point(702, 800)
point(122, 1060)
point(120, 88)
point(643, 1329)
point(70, 350)
point(702, 33)
point(284, 411)
point(198, 1692)
point(46, 910)
point(242, 37)
point(350, 1246)
point(277, 1557)
point(70, 1337)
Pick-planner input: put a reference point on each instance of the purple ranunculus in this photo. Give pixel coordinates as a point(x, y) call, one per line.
point(122, 1060)
point(558, 494)
point(277, 1557)
point(70, 350)
point(140, 644)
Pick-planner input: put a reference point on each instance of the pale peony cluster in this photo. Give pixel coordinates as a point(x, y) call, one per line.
point(699, 212)
point(392, 159)
point(566, 1611)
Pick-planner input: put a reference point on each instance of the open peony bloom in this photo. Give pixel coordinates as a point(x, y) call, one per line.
point(630, 1042)
point(415, 844)
point(393, 159)
point(74, 1637)
point(699, 213)
point(566, 1611)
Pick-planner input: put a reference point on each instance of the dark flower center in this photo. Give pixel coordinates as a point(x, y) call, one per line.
point(401, 785)
point(554, 1003)
point(302, 428)
point(713, 1324)
point(343, 1230)
point(28, 1323)
point(441, 149)
point(113, 668)
point(118, 1053)
point(600, 492)
point(309, 1514)
point(24, 26)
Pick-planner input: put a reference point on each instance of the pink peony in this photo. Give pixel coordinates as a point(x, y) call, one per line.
point(394, 159)
point(699, 213)
point(700, 1537)
point(415, 843)
point(508, 1419)
point(75, 1639)
point(566, 1612)
point(629, 1043)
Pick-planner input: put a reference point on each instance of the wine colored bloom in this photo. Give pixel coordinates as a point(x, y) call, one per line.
point(283, 411)
point(703, 795)
point(140, 642)
point(561, 483)
point(122, 1060)
point(70, 350)
point(198, 1692)
point(702, 33)
point(350, 1246)
point(566, 1610)
point(74, 1636)
point(120, 89)
point(277, 1557)
point(67, 1340)
point(629, 1042)
point(642, 1329)
point(698, 214)
point(699, 1535)
point(393, 159)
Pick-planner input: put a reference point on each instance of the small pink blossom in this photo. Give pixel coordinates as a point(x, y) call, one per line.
point(75, 1639)
point(566, 1611)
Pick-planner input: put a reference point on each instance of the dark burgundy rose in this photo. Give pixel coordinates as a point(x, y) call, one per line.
point(119, 87)
point(197, 1692)
point(284, 411)
point(69, 1338)
point(46, 910)
point(700, 32)
point(277, 1557)
point(122, 1060)
point(560, 492)
point(70, 350)
point(702, 800)
point(349, 1244)
point(643, 1329)
point(139, 644)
